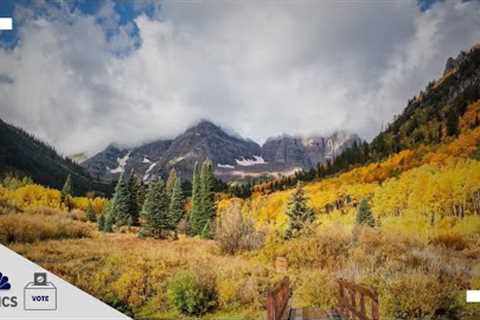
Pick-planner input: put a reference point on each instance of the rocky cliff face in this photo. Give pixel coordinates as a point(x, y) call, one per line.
point(306, 152)
point(452, 64)
point(233, 157)
point(110, 163)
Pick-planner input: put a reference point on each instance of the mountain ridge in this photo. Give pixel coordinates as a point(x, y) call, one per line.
point(233, 155)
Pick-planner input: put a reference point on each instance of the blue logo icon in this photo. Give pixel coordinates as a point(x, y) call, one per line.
point(4, 284)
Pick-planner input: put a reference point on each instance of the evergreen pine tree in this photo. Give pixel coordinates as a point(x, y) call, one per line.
point(172, 178)
point(176, 208)
point(67, 192)
point(133, 208)
point(364, 214)
point(206, 232)
point(155, 210)
point(141, 194)
point(452, 122)
point(101, 222)
point(91, 215)
point(67, 189)
point(207, 198)
point(196, 201)
point(109, 221)
point(120, 203)
point(298, 211)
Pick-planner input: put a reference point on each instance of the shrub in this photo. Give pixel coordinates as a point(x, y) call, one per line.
point(240, 288)
point(183, 227)
point(7, 207)
point(46, 211)
point(235, 232)
point(450, 240)
point(77, 214)
point(91, 215)
point(317, 288)
point(192, 293)
point(118, 304)
point(130, 287)
point(326, 247)
point(30, 228)
point(416, 296)
point(228, 290)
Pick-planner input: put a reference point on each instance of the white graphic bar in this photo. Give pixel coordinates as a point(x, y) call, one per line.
point(6, 23)
point(473, 295)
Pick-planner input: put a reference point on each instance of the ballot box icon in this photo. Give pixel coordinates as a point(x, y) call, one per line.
point(40, 294)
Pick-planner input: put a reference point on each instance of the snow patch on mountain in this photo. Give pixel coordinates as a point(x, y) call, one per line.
point(151, 167)
point(146, 160)
point(181, 158)
point(250, 162)
point(276, 174)
point(121, 164)
point(176, 160)
point(147, 173)
point(225, 166)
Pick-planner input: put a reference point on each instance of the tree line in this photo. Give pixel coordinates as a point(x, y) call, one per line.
point(159, 207)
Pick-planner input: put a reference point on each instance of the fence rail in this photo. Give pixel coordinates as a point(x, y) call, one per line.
point(354, 301)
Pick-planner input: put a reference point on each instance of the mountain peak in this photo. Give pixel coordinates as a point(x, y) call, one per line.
point(204, 124)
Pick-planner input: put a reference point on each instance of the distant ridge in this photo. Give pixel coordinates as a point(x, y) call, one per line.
point(234, 157)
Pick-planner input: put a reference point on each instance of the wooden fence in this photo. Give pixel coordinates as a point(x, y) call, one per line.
point(357, 302)
point(277, 301)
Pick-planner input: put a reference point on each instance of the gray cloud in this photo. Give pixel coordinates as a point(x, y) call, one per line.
point(262, 69)
point(6, 79)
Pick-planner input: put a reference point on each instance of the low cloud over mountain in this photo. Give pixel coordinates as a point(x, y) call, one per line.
point(80, 78)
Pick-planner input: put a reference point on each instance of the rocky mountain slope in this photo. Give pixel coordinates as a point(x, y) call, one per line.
point(233, 156)
point(306, 152)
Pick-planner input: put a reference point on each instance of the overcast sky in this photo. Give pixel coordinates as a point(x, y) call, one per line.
point(83, 78)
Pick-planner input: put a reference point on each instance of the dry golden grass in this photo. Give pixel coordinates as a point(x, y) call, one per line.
point(135, 272)
point(20, 227)
point(415, 279)
point(419, 263)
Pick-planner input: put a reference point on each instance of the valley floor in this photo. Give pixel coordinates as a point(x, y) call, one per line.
point(132, 273)
point(415, 280)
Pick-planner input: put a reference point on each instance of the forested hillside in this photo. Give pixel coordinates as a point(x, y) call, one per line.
point(438, 114)
point(24, 155)
point(434, 114)
point(437, 136)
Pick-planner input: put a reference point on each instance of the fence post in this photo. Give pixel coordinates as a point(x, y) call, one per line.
point(375, 304)
point(270, 305)
point(363, 311)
